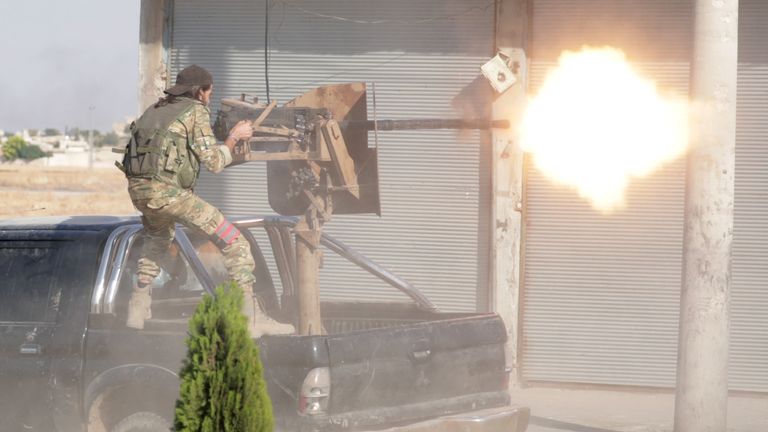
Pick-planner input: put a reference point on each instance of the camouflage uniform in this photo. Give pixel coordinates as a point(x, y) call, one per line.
point(164, 201)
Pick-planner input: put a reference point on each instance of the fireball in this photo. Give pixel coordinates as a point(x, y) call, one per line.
point(596, 124)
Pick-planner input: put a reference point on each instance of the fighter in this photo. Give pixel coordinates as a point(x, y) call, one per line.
point(167, 146)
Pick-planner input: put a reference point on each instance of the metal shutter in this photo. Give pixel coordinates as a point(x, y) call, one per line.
point(435, 185)
point(749, 300)
point(601, 293)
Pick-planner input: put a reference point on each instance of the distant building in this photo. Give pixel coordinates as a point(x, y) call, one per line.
point(25, 134)
point(67, 145)
point(102, 158)
point(46, 143)
point(67, 150)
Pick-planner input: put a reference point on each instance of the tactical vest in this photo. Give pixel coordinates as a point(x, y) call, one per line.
point(154, 152)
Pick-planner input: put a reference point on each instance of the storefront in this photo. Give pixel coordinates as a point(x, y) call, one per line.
point(601, 292)
point(434, 229)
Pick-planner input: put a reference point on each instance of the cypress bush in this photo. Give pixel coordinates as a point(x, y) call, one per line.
point(222, 384)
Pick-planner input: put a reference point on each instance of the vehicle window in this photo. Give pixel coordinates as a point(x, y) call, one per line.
point(176, 274)
point(211, 257)
point(29, 290)
point(260, 235)
point(175, 291)
point(342, 280)
point(213, 261)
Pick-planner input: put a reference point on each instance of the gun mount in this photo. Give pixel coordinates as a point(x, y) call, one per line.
point(318, 142)
point(319, 163)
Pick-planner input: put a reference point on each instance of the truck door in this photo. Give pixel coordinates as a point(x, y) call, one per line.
point(29, 303)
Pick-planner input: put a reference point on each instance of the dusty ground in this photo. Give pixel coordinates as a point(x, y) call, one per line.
point(42, 191)
point(595, 410)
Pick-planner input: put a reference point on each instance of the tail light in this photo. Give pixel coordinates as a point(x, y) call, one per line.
point(315, 392)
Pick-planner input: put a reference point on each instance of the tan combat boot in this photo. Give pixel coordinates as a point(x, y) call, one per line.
point(259, 323)
point(139, 307)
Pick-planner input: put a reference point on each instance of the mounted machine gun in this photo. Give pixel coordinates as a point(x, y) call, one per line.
point(319, 163)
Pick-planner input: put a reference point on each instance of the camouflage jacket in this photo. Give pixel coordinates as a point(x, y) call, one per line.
point(195, 125)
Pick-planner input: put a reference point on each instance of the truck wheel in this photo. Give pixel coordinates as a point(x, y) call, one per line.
point(143, 421)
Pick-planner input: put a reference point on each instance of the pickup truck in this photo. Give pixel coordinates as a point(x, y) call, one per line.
point(69, 363)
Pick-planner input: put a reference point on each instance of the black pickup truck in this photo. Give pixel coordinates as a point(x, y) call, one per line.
point(69, 363)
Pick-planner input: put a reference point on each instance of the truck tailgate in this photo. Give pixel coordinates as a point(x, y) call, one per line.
point(417, 371)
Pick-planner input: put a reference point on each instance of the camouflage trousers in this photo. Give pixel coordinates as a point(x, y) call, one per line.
point(160, 215)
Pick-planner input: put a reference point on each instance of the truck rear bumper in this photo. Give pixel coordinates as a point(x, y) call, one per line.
point(478, 412)
point(506, 419)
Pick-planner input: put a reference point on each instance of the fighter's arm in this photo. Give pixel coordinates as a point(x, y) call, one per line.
point(214, 156)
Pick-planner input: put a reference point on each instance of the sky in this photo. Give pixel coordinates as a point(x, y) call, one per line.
point(60, 57)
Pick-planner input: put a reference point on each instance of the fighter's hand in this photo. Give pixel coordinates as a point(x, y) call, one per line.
point(242, 130)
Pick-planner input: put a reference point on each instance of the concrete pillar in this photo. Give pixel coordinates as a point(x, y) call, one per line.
point(512, 18)
point(702, 368)
point(152, 65)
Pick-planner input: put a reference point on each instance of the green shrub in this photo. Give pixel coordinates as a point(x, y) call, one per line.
point(12, 147)
point(222, 384)
point(17, 148)
point(31, 152)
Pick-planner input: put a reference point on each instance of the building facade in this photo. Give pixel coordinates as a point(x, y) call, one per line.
point(598, 294)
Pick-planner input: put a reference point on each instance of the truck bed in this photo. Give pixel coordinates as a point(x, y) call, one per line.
point(395, 370)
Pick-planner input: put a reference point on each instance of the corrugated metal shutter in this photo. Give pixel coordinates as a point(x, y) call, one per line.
point(602, 291)
point(434, 184)
point(749, 307)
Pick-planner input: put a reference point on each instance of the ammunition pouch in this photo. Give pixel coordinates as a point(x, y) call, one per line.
point(142, 155)
point(179, 161)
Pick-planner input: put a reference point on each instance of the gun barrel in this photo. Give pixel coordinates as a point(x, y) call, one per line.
point(414, 124)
